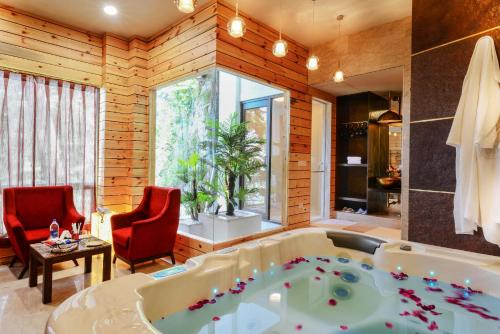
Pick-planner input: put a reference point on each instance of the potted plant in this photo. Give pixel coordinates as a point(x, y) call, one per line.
point(197, 192)
point(237, 154)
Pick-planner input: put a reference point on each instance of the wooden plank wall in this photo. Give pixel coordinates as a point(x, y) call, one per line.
point(183, 49)
point(32, 45)
point(252, 55)
point(123, 140)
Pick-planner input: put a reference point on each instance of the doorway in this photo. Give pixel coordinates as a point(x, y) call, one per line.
point(320, 159)
point(266, 118)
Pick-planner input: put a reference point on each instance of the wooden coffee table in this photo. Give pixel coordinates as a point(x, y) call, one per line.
point(40, 254)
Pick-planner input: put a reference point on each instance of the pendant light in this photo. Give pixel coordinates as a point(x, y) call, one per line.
point(338, 77)
point(280, 47)
point(236, 26)
point(186, 6)
point(391, 116)
point(312, 63)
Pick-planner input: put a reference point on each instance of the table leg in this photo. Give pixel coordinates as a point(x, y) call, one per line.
point(47, 283)
point(106, 265)
point(88, 264)
point(33, 263)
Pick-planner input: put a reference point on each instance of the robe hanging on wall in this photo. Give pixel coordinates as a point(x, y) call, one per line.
point(475, 134)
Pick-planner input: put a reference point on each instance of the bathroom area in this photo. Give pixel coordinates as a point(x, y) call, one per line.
point(250, 167)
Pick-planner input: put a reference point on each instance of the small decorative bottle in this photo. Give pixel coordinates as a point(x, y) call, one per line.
point(54, 229)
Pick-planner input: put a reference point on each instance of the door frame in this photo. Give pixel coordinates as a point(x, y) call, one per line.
point(327, 144)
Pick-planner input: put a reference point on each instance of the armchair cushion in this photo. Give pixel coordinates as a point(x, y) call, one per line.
point(38, 235)
point(36, 209)
point(122, 236)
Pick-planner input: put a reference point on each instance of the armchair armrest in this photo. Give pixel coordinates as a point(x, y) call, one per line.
point(122, 220)
point(13, 223)
point(18, 237)
point(72, 216)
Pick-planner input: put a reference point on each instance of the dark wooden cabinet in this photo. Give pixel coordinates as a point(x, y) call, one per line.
point(357, 136)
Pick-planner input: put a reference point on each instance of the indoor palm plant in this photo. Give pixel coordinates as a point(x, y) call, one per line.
point(237, 154)
point(198, 192)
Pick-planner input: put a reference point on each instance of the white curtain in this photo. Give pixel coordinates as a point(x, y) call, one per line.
point(48, 136)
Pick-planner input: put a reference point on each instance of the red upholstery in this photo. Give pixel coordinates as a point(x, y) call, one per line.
point(122, 236)
point(34, 236)
point(28, 213)
point(150, 230)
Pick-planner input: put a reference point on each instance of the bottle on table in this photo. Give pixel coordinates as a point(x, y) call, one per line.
point(54, 229)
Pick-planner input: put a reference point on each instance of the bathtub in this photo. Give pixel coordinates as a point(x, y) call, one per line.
point(134, 303)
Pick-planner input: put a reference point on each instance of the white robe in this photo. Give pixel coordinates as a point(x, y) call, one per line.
point(475, 134)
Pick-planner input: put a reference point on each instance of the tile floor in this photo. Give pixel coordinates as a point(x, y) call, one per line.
point(21, 308)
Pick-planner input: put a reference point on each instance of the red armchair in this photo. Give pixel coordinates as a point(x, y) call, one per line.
point(148, 232)
point(28, 213)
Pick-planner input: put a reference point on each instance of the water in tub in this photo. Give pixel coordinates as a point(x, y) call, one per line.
point(337, 295)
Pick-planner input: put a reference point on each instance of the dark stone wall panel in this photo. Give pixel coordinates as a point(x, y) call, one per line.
point(437, 77)
point(432, 162)
point(436, 22)
point(431, 222)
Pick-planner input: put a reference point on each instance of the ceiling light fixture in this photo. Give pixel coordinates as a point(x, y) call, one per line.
point(110, 10)
point(313, 61)
point(338, 77)
point(280, 47)
point(236, 26)
point(390, 116)
point(186, 6)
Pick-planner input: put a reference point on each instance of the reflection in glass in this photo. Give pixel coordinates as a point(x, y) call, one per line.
point(318, 156)
point(257, 125)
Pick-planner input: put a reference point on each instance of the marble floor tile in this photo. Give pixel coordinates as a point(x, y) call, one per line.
point(21, 308)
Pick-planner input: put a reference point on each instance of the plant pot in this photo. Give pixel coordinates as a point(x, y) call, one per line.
point(229, 227)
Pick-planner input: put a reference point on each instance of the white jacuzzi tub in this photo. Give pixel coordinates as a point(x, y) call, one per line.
point(133, 303)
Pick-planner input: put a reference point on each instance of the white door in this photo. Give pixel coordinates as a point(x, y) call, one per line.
point(320, 176)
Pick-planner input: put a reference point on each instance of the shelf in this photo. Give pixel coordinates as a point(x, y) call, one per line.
point(353, 165)
point(352, 199)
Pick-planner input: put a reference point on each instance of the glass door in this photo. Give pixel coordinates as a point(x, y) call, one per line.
point(256, 113)
point(266, 117)
point(318, 160)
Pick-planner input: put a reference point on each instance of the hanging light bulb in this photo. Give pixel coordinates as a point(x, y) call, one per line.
point(280, 47)
point(312, 63)
point(339, 75)
point(186, 6)
point(236, 26)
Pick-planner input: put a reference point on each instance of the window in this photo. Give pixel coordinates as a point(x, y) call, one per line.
point(185, 148)
point(48, 135)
